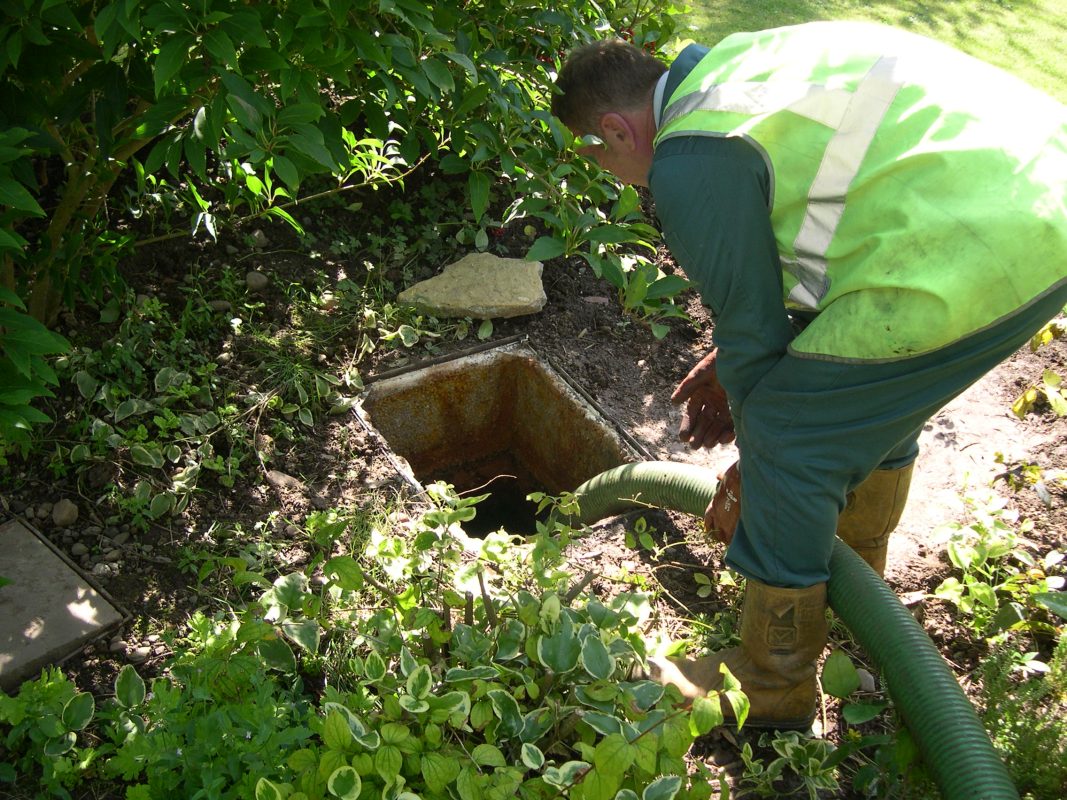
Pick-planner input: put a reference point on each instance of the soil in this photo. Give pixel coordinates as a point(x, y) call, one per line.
point(628, 372)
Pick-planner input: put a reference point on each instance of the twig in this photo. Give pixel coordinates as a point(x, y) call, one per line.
point(487, 601)
point(575, 590)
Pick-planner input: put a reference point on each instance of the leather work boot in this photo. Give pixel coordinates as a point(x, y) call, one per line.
point(783, 632)
point(872, 511)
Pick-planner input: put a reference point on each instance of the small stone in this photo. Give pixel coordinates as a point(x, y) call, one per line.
point(220, 305)
point(42, 512)
point(17, 506)
point(256, 280)
point(111, 531)
point(120, 538)
point(45, 507)
point(232, 250)
point(292, 530)
point(65, 513)
point(30, 512)
point(117, 645)
point(78, 549)
point(111, 556)
point(101, 570)
point(224, 358)
point(259, 239)
point(153, 638)
point(92, 530)
point(139, 654)
point(867, 682)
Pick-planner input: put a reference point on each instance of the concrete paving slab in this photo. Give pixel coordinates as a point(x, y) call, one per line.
point(48, 611)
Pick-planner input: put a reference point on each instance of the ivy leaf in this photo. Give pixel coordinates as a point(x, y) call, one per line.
point(374, 666)
point(566, 775)
point(387, 762)
point(839, 676)
point(78, 711)
point(560, 651)
point(595, 658)
point(510, 640)
point(146, 457)
point(345, 783)
point(419, 682)
point(129, 687)
point(507, 711)
point(664, 788)
point(265, 790)
point(532, 757)
point(602, 723)
point(277, 655)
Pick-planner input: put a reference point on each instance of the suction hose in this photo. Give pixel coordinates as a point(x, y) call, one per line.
point(946, 728)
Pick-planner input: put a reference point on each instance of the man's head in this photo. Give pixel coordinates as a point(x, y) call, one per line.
point(606, 90)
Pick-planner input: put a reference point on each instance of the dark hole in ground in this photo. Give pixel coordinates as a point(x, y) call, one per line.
point(477, 419)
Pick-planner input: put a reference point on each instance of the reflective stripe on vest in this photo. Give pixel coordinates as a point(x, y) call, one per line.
point(855, 118)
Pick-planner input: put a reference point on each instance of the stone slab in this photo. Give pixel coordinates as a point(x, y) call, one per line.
point(481, 286)
point(48, 611)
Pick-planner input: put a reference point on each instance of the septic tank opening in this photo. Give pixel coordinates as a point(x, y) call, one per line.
point(501, 422)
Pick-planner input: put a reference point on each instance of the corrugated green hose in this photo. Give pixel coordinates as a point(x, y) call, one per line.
point(946, 728)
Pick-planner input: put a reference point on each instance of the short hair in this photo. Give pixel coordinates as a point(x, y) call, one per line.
point(601, 77)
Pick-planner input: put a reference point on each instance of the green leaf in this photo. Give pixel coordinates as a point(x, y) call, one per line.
point(600, 785)
point(560, 651)
point(438, 74)
point(14, 194)
point(478, 186)
point(488, 755)
point(172, 56)
point(614, 755)
point(546, 248)
point(485, 330)
point(375, 667)
point(78, 711)
point(277, 655)
point(667, 286)
point(305, 633)
point(336, 732)
point(858, 713)
point(839, 676)
point(129, 687)
point(439, 771)
point(596, 659)
point(387, 762)
point(345, 572)
point(605, 724)
point(706, 714)
point(1056, 602)
point(664, 788)
point(344, 782)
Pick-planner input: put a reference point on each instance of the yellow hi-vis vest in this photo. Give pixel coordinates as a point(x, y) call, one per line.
point(919, 195)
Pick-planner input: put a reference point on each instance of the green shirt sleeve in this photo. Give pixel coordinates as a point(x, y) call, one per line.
point(711, 196)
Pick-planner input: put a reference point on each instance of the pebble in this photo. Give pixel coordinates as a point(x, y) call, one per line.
point(92, 530)
point(117, 645)
point(112, 556)
point(78, 549)
point(259, 239)
point(220, 305)
point(256, 280)
point(232, 250)
point(42, 512)
point(120, 538)
point(139, 654)
point(867, 682)
point(111, 531)
point(224, 358)
point(101, 569)
point(64, 513)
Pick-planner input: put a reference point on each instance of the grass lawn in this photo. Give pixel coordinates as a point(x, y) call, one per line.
point(1025, 37)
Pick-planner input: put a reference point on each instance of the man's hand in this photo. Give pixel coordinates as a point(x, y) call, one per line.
point(722, 514)
point(706, 419)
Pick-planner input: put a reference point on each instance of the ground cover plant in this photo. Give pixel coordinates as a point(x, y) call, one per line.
point(305, 624)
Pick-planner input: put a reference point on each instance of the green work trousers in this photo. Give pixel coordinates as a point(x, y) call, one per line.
point(812, 430)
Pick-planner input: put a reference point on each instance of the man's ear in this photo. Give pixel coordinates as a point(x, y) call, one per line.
point(616, 131)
